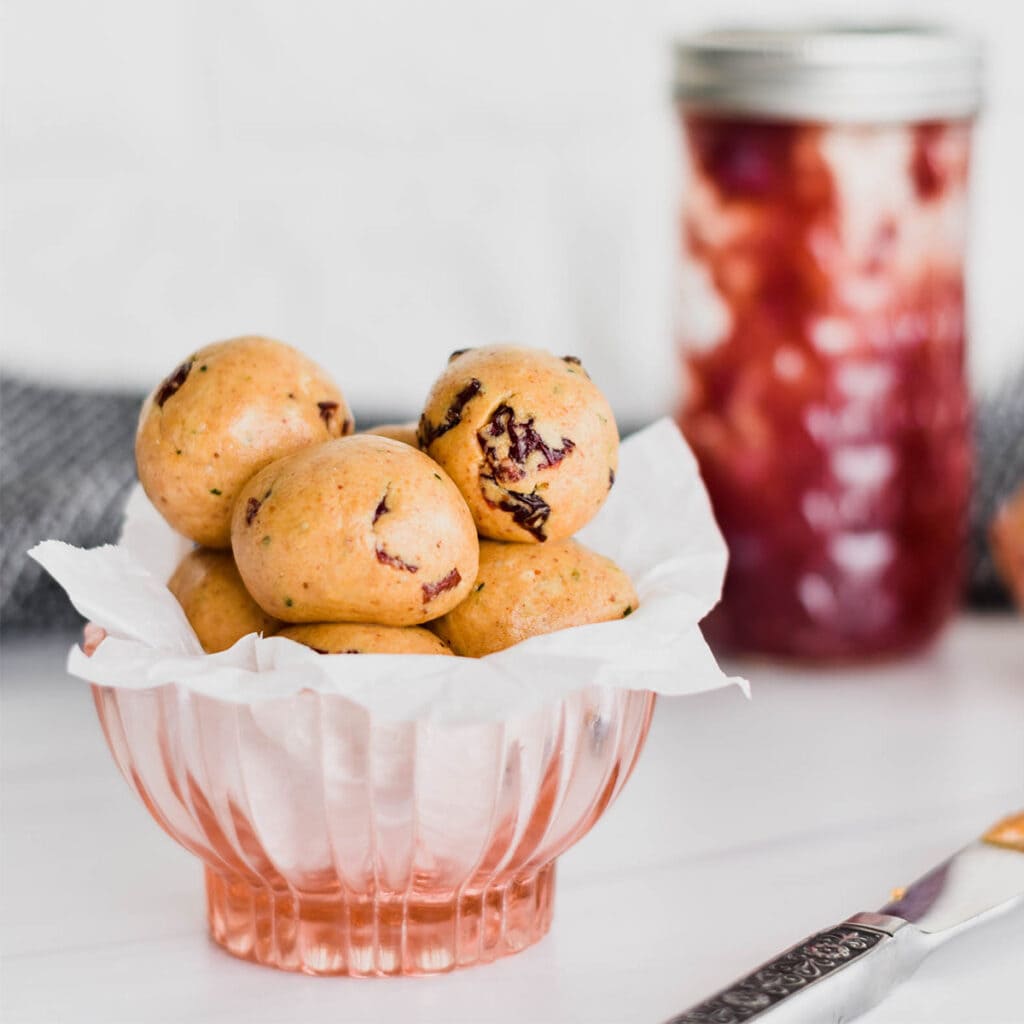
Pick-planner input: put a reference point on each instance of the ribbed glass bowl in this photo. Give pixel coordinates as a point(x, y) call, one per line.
point(337, 844)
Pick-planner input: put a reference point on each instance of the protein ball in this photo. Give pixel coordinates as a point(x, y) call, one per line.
point(523, 590)
point(364, 638)
point(404, 432)
point(527, 437)
point(215, 601)
point(225, 412)
point(362, 529)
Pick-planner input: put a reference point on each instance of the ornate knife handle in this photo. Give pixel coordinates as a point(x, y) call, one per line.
point(791, 973)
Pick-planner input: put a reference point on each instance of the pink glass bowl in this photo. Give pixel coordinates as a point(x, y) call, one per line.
point(337, 844)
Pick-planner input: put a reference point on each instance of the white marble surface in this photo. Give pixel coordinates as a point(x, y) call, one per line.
point(745, 827)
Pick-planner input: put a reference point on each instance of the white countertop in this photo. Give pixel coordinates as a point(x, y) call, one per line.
point(745, 827)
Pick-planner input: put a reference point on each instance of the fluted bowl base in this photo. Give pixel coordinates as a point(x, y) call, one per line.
point(362, 936)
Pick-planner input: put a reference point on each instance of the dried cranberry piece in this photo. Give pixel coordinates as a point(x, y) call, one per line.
point(172, 383)
point(428, 433)
point(523, 440)
point(575, 361)
point(431, 590)
point(327, 411)
point(530, 511)
point(386, 558)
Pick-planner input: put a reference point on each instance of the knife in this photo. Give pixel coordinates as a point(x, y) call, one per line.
point(838, 974)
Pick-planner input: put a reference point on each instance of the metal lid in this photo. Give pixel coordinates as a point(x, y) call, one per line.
point(849, 74)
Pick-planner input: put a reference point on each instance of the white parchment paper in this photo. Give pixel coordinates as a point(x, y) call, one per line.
point(657, 524)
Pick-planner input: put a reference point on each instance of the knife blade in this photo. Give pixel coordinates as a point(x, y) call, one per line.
point(839, 973)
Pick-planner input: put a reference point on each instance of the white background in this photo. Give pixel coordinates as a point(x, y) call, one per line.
point(381, 182)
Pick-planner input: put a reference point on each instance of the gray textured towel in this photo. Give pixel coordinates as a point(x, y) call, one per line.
point(999, 440)
point(66, 465)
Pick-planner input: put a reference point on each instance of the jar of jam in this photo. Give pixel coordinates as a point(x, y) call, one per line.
point(822, 329)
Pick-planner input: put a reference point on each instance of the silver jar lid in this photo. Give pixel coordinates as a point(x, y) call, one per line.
point(847, 74)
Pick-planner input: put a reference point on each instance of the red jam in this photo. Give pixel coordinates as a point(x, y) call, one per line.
point(825, 397)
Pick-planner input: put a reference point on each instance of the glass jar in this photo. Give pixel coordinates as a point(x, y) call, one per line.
point(822, 329)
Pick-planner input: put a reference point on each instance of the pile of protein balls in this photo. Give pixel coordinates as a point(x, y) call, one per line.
point(350, 543)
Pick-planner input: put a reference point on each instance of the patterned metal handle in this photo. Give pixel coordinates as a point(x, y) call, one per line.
point(792, 972)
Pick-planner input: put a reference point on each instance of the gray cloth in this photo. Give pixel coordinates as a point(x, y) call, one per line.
point(999, 442)
point(66, 466)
